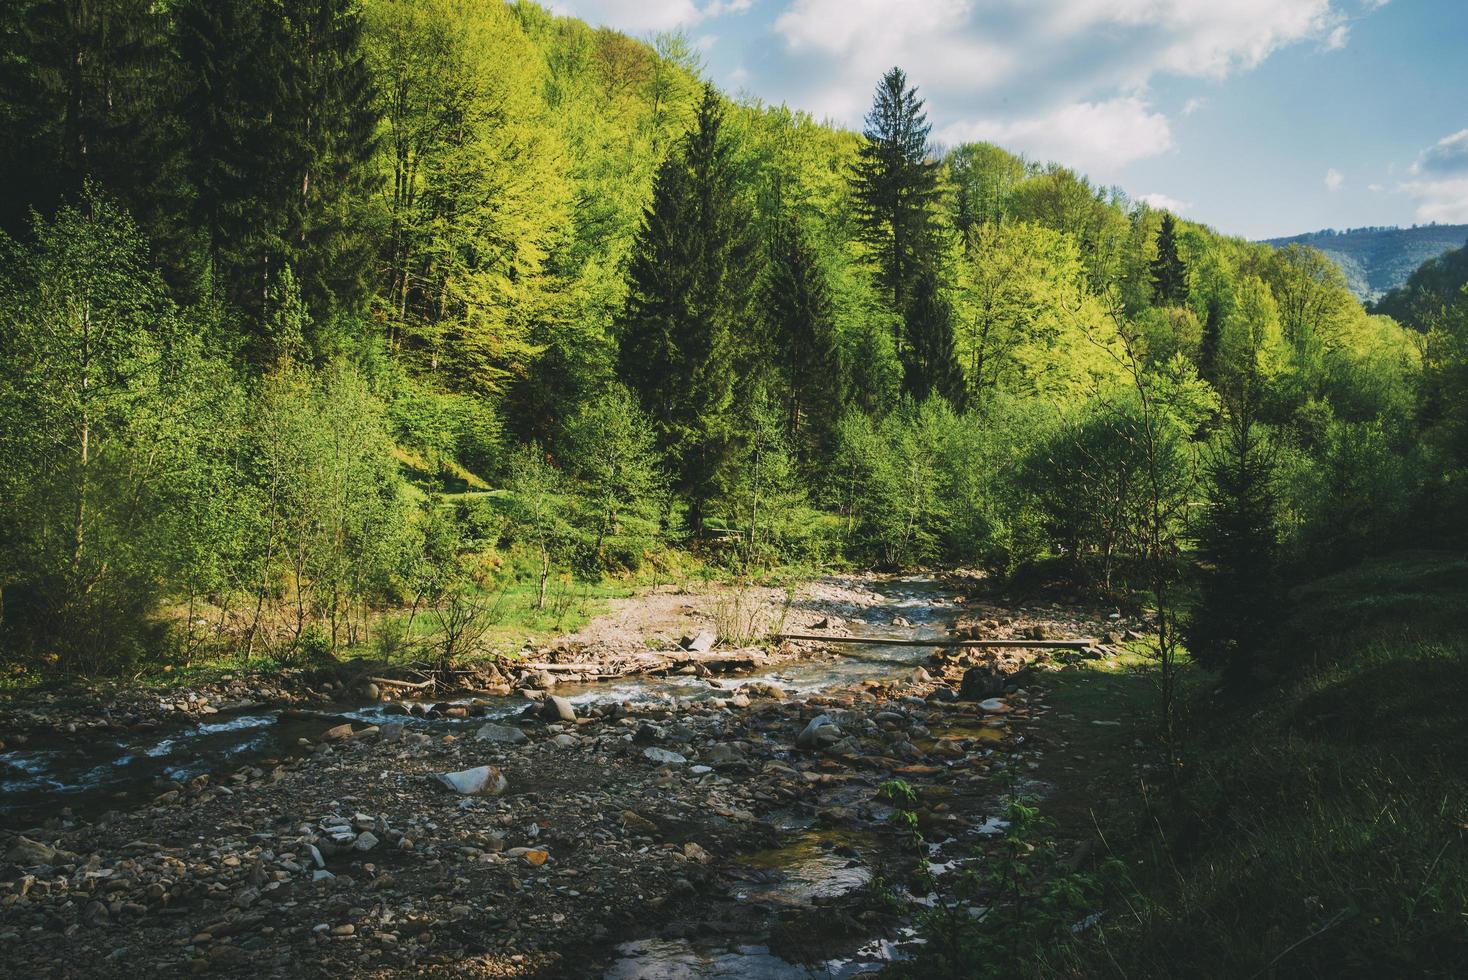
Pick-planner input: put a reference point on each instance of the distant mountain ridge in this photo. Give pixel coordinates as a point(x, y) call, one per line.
point(1377, 260)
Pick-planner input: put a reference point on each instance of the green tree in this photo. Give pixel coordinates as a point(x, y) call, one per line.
point(281, 120)
point(1169, 276)
point(85, 93)
point(100, 417)
point(930, 361)
point(764, 493)
point(1237, 544)
point(690, 285)
point(537, 511)
point(610, 451)
point(805, 343)
point(895, 186)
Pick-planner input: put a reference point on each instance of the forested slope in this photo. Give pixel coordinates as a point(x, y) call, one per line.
point(1376, 261)
point(259, 255)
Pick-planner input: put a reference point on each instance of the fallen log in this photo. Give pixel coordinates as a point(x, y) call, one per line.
point(411, 685)
point(1081, 643)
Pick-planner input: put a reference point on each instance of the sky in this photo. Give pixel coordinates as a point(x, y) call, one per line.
point(1259, 117)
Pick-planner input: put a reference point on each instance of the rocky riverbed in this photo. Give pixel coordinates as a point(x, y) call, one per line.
point(693, 825)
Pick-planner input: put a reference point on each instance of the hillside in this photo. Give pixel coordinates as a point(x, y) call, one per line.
point(1377, 260)
point(1430, 289)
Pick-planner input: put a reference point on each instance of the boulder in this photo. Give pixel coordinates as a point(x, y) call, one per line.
point(662, 756)
point(479, 781)
point(503, 734)
point(983, 681)
point(702, 643)
point(339, 733)
point(556, 708)
point(29, 853)
point(763, 689)
point(819, 732)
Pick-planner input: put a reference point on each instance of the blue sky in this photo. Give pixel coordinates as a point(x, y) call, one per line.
point(1259, 117)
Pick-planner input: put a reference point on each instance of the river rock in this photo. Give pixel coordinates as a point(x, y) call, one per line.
point(983, 681)
point(901, 621)
point(366, 841)
point(702, 643)
point(556, 708)
point(503, 734)
point(662, 756)
point(763, 689)
point(29, 853)
point(337, 734)
point(821, 731)
point(723, 754)
point(995, 706)
point(919, 675)
point(828, 623)
point(479, 781)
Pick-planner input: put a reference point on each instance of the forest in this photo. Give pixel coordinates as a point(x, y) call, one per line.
point(331, 324)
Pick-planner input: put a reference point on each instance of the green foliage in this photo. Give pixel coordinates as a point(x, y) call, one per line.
point(895, 186)
point(610, 450)
point(1239, 586)
point(1012, 916)
point(1169, 276)
point(105, 408)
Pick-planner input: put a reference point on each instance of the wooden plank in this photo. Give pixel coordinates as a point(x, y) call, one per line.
point(893, 641)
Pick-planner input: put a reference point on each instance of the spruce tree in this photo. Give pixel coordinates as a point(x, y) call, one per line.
point(282, 133)
point(1208, 348)
point(1238, 542)
point(930, 360)
point(1169, 277)
point(690, 284)
point(805, 344)
point(895, 186)
point(84, 96)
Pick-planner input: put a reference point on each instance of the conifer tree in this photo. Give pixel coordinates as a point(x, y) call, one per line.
point(282, 131)
point(930, 360)
point(84, 95)
point(690, 285)
point(1208, 349)
point(1169, 277)
point(1238, 547)
point(895, 185)
point(805, 343)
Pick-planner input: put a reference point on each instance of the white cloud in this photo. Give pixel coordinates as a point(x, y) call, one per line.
point(1447, 155)
point(1163, 202)
point(844, 46)
point(638, 16)
point(1193, 105)
point(1334, 180)
point(1338, 38)
point(1197, 38)
point(1441, 190)
point(1376, 188)
point(1445, 201)
point(1088, 135)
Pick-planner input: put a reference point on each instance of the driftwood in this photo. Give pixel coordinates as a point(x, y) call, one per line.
point(892, 641)
point(412, 685)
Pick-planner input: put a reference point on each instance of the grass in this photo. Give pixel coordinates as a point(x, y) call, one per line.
point(1320, 829)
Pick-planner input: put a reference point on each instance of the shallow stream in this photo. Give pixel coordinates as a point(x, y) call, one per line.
point(41, 778)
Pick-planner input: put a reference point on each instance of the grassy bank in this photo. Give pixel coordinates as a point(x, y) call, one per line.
point(1319, 829)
